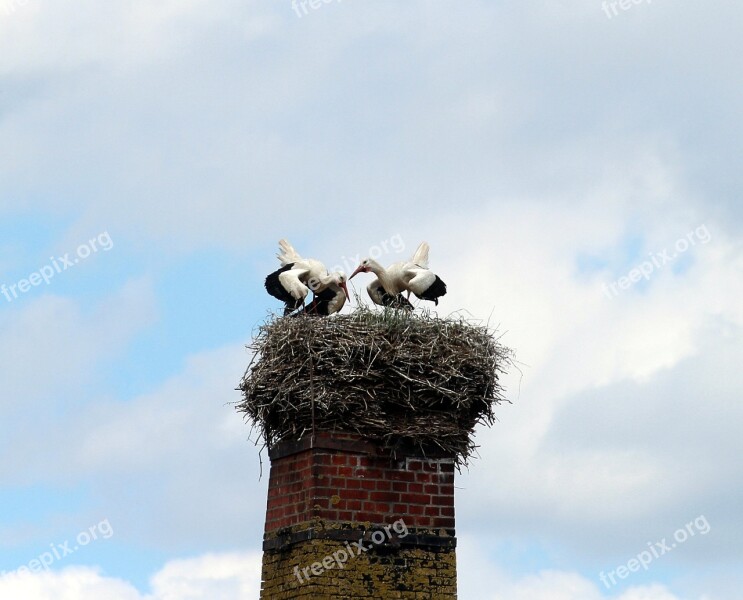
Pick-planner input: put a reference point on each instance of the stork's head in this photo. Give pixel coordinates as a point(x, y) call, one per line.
point(364, 267)
point(340, 280)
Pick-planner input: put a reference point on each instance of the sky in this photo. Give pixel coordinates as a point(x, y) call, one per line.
point(575, 167)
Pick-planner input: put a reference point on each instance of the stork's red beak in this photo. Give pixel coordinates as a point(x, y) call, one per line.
point(359, 269)
point(345, 291)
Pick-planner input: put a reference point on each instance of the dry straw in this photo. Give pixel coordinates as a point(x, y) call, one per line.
point(391, 376)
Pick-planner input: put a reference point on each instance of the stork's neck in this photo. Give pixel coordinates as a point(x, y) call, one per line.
point(383, 276)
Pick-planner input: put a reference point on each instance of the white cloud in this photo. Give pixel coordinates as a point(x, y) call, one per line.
point(49, 344)
point(650, 353)
point(230, 576)
point(481, 578)
point(216, 577)
point(512, 136)
point(237, 576)
point(186, 126)
point(175, 450)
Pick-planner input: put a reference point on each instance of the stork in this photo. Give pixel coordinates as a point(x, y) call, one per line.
point(411, 276)
point(297, 276)
point(330, 300)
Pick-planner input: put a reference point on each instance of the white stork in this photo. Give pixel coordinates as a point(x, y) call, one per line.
point(298, 276)
point(411, 276)
point(330, 300)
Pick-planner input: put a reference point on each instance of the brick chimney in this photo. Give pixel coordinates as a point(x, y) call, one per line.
point(349, 518)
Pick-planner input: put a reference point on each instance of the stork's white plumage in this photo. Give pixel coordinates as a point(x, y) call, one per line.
point(331, 299)
point(298, 276)
point(411, 276)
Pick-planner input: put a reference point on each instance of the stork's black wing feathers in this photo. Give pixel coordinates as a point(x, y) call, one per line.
point(398, 301)
point(434, 291)
point(274, 287)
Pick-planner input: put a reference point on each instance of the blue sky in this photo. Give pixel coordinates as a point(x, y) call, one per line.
point(543, 149)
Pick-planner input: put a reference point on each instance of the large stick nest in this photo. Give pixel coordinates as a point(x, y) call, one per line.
point(391, 376)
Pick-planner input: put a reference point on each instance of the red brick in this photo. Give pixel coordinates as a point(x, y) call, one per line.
point(401, 476)
point(399, 486)
point(324, 492)
point(366, 516)
point(355, 495)
point(370, 487)
point(418, 498)
point(370, 473)
point(385, 496)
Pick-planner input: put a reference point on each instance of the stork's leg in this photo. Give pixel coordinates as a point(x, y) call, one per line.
point(298, 305)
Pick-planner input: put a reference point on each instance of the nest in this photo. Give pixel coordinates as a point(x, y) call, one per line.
point(392, 376)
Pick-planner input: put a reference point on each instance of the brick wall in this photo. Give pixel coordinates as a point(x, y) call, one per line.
point(331, 493)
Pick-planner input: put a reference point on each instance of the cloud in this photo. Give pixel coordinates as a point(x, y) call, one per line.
point(609, 437)
point(50, 344)
point(548, 584)
point(509, 135)
point(226, 576)
point(193, 118)
point(176, 450)
point(233, 576)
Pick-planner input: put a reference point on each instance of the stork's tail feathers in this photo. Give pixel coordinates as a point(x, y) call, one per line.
point(434, 291)
point(287, 254)
point(420, 257)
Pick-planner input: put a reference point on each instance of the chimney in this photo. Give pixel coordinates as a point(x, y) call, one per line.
point(366, 417)
point(347, 518)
